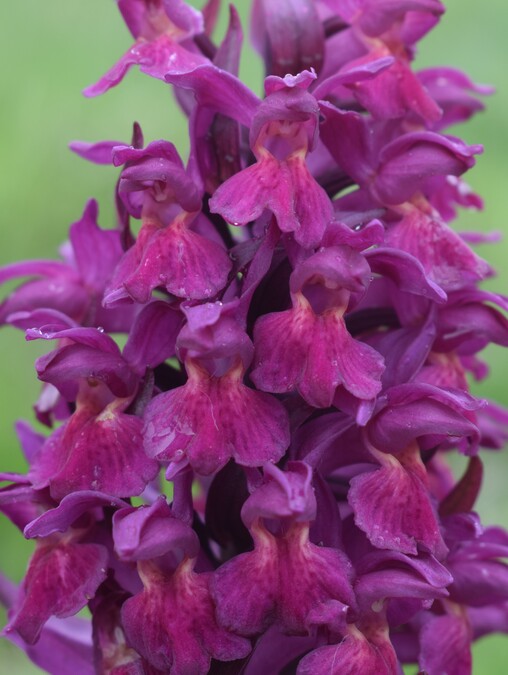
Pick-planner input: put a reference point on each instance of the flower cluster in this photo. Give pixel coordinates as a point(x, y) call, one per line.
point(257, 481)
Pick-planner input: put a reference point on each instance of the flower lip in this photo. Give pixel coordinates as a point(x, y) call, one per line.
point(299, 321)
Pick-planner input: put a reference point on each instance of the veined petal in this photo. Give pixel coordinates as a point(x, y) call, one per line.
point(315, 354)
point(446, 258)
point(245, 589)
point(354, 654)
point(176, 258)
point(346, 136)
point(311, 204)
point(211, 419)
point(172, 623)
point(392, 506)
point(61, 578)
point(286, 188)
point(337, 359)
point(95, 452)
point(282, 581)
point(282, 341)
point(264, 185)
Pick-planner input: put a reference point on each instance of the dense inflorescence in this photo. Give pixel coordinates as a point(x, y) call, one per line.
point(257, 481)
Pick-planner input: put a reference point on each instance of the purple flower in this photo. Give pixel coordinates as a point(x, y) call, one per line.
point(297, 320)
point(215, 416)
point(282, 133)
point(73, 287)
point(178, 641)
point(163, 32)
point(291, 581)
point(309, 346)
point(79, 567)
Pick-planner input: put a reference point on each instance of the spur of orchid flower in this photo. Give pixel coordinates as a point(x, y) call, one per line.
point(253, 478)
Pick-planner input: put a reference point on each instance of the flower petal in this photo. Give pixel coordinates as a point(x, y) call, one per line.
point(78, 569)
point(172, 624)
point(211, 419)
point(393, 508)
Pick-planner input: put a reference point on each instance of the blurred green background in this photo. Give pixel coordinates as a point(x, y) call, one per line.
point(50, 51)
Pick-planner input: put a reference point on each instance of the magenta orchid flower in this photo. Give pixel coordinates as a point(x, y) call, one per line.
point(258, 374)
